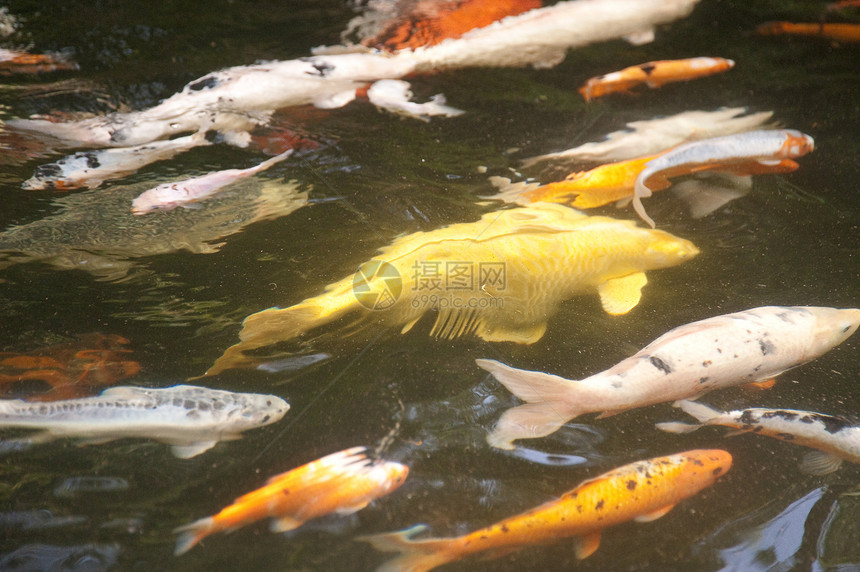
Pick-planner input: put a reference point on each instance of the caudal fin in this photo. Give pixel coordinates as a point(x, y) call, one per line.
point(191, 534)
point(548, 403)
point(415, 555)
point(701, 412)
point(281, 324)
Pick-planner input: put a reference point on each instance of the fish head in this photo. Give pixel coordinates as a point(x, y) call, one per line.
point(797, 144)
point(161, 198)
point(663, 249)
point(706, 465)
point(833, 326)
point(389, 475)
point(256, 410)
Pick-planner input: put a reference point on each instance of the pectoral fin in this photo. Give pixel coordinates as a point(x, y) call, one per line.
point(192, 449)
point(284, 524)
point(620, 295)
point(819, 463)
point(654, 515)
point(585, 546)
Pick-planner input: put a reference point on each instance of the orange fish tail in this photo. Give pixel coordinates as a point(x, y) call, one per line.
point(191, 534)
point(415, 555)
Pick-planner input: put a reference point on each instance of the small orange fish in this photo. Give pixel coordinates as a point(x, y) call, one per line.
point(597, 187)
point(343, 482)
point(12, 62)
point(838, 32)
point(642, 491)
point(842, 4)
point(654, 74)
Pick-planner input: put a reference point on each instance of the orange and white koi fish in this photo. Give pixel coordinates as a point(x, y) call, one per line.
point(746, 347)
point(91, 168)
point(652, 136)
point(12, 62)
point(641, 491)
point(837, 32)
point(835, 438)
point(654, 74)
point(343, 482)
point(171, 195)
point(768, 150)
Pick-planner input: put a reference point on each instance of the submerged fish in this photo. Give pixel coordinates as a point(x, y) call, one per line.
point(171, 195)
point(641, 491)
point(839, 32)
point(91, 168)
point(499, 278)
point(770, 149)
point(745, 347)
point(652, 136)
point(191, 419)
point(14, 62)
point(343, 482)
point(654, 74)
point(836, 438)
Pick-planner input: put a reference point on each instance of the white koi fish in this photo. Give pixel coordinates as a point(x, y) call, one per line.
point(91, 168)
point(745, 347)
point(836, 438)
point(171, 195)
point(652, 136)
point(191, 419)
point(237, 99)
point(768, 148)
point(393, 95)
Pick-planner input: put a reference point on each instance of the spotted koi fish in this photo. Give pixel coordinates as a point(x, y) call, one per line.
point(837, 32)
point(91, 168)
point(191, 419)
point(641, 491)
point(752, 346)
point(835, 438)
point(654, 74)
point(343, 482)
point(171, 195)
point(772, 149)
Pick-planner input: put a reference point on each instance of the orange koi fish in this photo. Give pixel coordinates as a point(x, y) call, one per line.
point(71, 370)
point(597, 187)
point(654, 74)
point(838, 32)
point(745, 153)
point(641, 491)
point(842, 4)
point(426, 23)
point(12, 62)
point(343, 482)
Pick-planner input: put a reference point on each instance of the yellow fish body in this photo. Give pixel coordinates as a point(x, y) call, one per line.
point(499, 278)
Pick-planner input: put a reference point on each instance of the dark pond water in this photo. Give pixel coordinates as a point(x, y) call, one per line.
point(792, 241)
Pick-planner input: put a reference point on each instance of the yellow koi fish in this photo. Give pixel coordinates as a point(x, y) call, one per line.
point(343, 482)
point(654, 75)
point(499, 278)
point(641, 491)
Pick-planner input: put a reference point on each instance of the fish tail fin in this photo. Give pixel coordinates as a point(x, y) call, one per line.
point(676, 427)
point(415, 555)
point(191, 534)
point(640, 191)
point(548, 403)
point(275, 325)
point(700, 411)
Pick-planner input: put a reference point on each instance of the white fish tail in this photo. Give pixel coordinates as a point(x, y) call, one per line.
point(272, 161)
point(548, 403)
point(415, 555)
point(191, 534)
point(642, 191)
point(700, 411)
